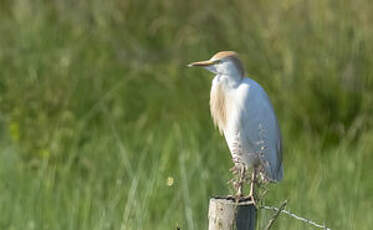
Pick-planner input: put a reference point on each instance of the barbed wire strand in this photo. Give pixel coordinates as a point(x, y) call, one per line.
point(305, 220)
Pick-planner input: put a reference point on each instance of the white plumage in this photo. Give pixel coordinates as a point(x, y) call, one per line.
point(252, 132)
point(244, 114)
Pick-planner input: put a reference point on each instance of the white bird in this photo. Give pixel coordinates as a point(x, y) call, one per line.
point(242, 111)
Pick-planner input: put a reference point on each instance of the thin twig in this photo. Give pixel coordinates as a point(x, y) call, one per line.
point(296, 217)
point(274, 217)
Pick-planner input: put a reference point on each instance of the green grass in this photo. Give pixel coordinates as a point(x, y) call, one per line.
point(97, 110)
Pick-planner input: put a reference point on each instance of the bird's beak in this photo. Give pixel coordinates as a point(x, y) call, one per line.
point(201, 63)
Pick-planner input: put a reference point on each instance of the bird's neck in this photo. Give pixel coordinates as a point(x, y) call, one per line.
point(219, 98)
point(230, 81)
point(218, 104)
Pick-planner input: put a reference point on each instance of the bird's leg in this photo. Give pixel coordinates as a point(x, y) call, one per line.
point(238, 180)
point(252, 185)
point(241, 181)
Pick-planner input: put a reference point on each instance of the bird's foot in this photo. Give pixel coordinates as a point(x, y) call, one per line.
point(239, 179)
point(241, 198)
point(239, 195)
point(251, 195)
point(241, 171)
point(250, 198)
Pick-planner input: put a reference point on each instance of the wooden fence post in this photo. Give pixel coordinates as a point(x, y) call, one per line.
point(226, 214)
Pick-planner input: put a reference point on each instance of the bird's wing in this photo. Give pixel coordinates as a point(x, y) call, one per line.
point(261, 130)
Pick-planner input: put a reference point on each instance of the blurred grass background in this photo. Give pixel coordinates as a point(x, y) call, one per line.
point(103, 127)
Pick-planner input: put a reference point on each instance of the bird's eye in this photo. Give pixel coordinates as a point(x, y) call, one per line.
point(217, 62)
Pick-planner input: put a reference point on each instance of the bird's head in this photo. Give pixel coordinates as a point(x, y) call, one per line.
point(224, 62)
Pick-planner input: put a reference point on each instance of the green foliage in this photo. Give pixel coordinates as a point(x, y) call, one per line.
point(97, 109)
